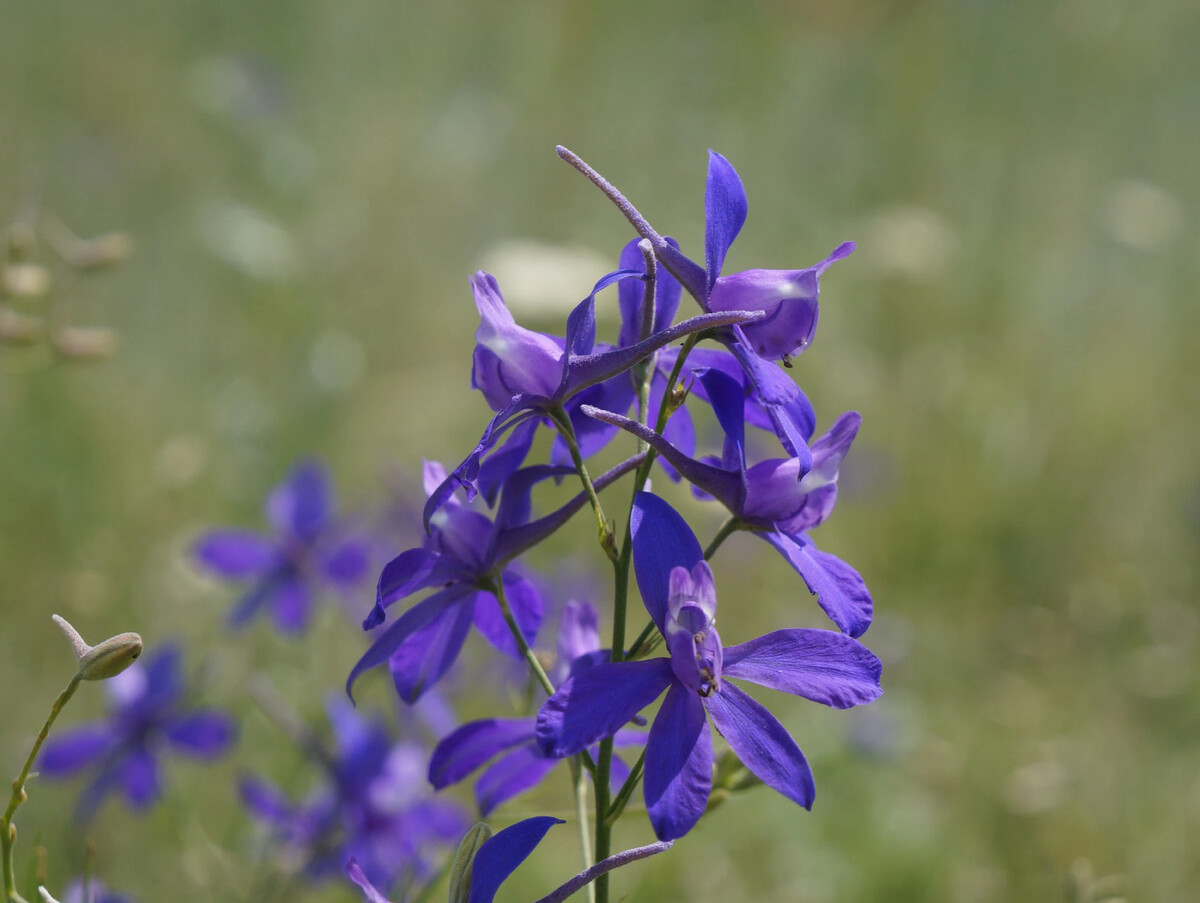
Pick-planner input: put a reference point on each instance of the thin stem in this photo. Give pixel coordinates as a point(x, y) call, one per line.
point(563, 423)
point(497, 587)
point(642, 640)
point(7, 834)
point(626, 791)
point(644, 371)
point(579, 785)
point(603, 867)
point(727, 529)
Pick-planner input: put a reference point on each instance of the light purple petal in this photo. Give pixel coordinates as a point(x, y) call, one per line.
point(514, 773)
point(290, 605)
point(203, 734)
point(460, 753)
point(679, 758)
point(412, 624)
point(762, 743)
point(773, 491)
point(499, 857)
point(840, 590)
point(662, 541)
point(359, 877)
point(74, 749)
point(139, 778)
point(510, 360)
point(302, 504)
point(597, 702)
point(578, 631)
point(724, 212)
point(821, 665)
point(236, 553)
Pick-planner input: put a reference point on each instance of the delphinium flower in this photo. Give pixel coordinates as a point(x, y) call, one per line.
point(309, 552)
point(372, 805)
point(680, 595)
point(779, 499)
point(149, 715)
point(92, 891)
point(522, 764)
point(467, 557)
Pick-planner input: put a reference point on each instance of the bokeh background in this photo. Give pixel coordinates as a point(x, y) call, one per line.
point(309, 186)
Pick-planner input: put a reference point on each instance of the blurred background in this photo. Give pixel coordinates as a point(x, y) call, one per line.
point(309, 185)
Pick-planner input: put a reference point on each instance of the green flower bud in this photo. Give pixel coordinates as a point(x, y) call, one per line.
point(464, 859)
point(108, 659)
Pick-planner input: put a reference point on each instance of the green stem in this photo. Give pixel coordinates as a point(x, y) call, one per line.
point(563, 423)
point(626, 791)
point(642, 640)
point(496, 586)
point(7, 832)
point(579, 785)
point(728, 528)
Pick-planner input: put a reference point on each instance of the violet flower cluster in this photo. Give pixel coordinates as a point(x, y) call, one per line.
point(480, 520)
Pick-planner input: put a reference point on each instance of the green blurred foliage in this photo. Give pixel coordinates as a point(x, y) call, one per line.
point(309, 185)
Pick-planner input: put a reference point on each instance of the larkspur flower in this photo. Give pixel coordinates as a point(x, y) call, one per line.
point(464, 556)
point(371, 806)
point(522, 764)
point(678, 590)
point(308, 553)
point(148, 715)
point(780, 499)
point(93, 891)
point(526, 375)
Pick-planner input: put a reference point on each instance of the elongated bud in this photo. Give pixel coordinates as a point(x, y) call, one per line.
point(19, 329)
point(464, 860)
point(25, 280)
point(100, 252)
point(108, 659)
point(85, 343)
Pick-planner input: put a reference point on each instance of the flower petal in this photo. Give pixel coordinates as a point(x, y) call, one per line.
point(499, 857)
point(662, 541)
point(139, 778)
point(512, 774)
point(762, 743)
point(790, 411)
point(821, 665)
point(578, 631)
point(724, 212)
point(264, 800)
point(236, 553)
point(291, 605)
point(597, 702)
point(839, 588)
point(631, 293)
point(495, 471)
point(679, 758)
point(370, 893)
point(510, 360)
point(402, 576)
point(301, 505)
point(204, 734)
point(75, 749)
point(464, 750)
point(346, 563)
point(427, 653)
point(527, 609)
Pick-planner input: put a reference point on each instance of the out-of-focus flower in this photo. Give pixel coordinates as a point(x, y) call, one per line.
point(92, 891)
point(149, 715)
point(309, 551)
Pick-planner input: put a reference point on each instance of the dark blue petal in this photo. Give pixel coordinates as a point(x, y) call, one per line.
point(504, 460)
point(346, 563)
point(512, 774)
point(75, 749)
point(596, 703)
point(662, 541)
point(728, 401)
point(679, 758)
point(526, 604)
point(139, 778)
point(840, 590)
point(204, 734)
point(791, 414)
point(515, 499)
point(762, 743)
point(499, 857)
point(460, 753)
point(291, 604)
point(301, 505)
point(581, 324)
point(403, 575)
point(264, 800)
point(236, 553)
point(821, 665)
point(724, 212)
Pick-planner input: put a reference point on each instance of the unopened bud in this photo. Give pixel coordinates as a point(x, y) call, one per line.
point(85, 343)
point(25, 280)
point(108, 659)
point(19, 329)
point(100, 252)
point(464, 860)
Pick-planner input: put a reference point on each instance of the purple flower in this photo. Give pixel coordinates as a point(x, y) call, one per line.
point(525, 374)
point(92, 891)
point(372, 806)
point(677, 587)
point(307, 552)
point(148, 715)
point(523, 764)
point(780, 498)
point(463, 556)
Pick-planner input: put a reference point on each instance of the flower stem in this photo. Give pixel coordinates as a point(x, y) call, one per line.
point(727, 529)
point(600, 869)
point(626, 791)
point(497, 588)
point(7, 831)
point(563, 423)
point(579, 785)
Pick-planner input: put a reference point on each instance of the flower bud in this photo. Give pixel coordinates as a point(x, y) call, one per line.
point(464, 859)
point(85, 343)
point(25, 280)
point(18, 329)
point(100, 252)
point(108, 659)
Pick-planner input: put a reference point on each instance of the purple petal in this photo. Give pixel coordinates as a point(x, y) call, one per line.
point(631, 294)
point(840, 590)
point(409, 630)
point(728, 399)
point(510, 360)
point(504, 460)
point(662, 541)
point(724, 212)
point(516, 503)
point(499, 857)
point(301, 505)
point(616, 394)
point(203, 734)
point(578, 631)
point(460, 753)
point(264, 800)
point(679, 758)
point(402, 576)
point(359, 877)
point(821, 665)
point(773, 491)
point(526, 604)
point(762, 743)
point(820, 483)
point(789, 409)
point(290, 605)
point(428, 653)
point(252, 601)
point(514, 773)
point(74, 749)
point(139, 778)
point(597, 702)
point(346, 564)
point(679, 431)
point(581, 325)
point(236, 553)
